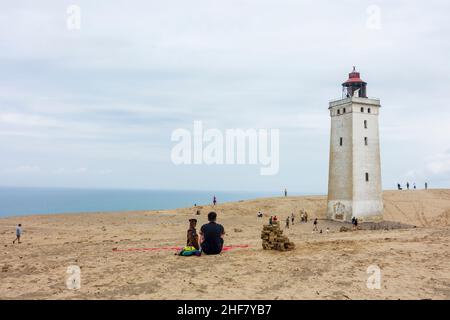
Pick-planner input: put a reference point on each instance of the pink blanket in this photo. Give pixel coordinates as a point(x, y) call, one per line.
point(225, 248)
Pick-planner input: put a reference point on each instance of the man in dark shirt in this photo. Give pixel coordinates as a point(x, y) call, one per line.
point(211, 235)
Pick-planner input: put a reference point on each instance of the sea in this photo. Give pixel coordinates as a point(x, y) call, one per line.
point(27, 201)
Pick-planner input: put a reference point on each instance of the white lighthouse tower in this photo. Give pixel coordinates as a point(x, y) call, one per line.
point(354, 179)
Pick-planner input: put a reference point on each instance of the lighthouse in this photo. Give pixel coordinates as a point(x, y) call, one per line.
point(354, 177)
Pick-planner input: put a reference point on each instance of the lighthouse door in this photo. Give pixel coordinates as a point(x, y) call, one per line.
point(339, 210)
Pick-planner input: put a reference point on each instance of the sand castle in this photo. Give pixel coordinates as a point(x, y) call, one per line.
point(273, 239)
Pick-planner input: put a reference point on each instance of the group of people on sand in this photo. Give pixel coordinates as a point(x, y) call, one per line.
point(399, 186)
point(291, 219)
point(316, 227)
point(208, 241)
point(303, 216)
point(273, 219)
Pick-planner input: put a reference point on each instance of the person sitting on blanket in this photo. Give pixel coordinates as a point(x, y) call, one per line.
point(211, 235)
point(192, 246)
point(192, 236)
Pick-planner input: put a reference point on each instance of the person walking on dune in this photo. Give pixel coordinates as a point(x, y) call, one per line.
point(287, 223)
point(315, 225)
point(214, 200)
point(18, 233)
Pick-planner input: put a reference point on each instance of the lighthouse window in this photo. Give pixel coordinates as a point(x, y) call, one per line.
point(339, 111)
point(365, 124)
point(362, 109)
point(340, 141)
point(367, 177)
point(344, 111)
point(368, 110)
point(365, 141)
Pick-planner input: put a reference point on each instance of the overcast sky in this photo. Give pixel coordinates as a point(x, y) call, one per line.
point(96, 107)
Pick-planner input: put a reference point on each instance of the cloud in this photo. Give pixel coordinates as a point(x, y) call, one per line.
point(439, 164)
point(81, 170)
point(105, 172)
point(435, 168)
point(19, 120)
point(23, 169)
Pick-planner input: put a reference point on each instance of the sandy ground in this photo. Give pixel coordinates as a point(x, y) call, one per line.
point(414, 262)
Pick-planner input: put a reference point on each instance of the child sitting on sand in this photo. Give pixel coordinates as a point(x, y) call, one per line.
point(192, 246)
point(192, 236)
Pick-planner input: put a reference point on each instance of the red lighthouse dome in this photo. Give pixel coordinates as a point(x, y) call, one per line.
point(354, 86)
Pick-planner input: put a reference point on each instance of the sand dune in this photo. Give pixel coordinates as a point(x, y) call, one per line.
point(414, 262)
point(419, 207)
